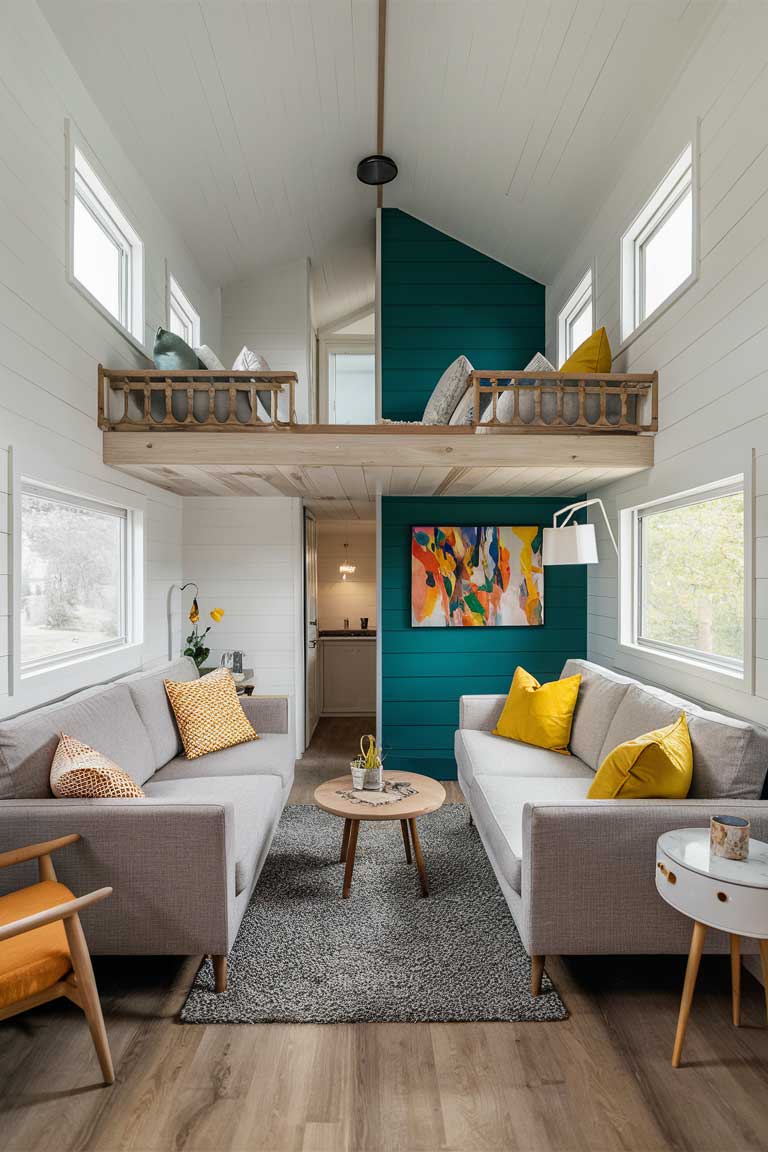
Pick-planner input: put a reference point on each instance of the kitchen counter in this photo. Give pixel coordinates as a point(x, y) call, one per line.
point(348, 634)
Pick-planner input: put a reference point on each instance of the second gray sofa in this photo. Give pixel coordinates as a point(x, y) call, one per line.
point(184, 860)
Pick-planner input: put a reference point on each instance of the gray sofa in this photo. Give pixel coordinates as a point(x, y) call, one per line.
point(578, 874)
point(184, 861)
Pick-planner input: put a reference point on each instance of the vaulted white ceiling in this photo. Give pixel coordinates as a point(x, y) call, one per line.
point(508, 118)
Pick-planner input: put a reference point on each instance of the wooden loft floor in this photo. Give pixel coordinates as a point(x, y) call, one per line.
point(207, 434)
point(339, 474)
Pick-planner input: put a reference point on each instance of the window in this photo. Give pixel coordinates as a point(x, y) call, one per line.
point(183, 319)
point(351, 387)
point(575, 322)
point(657, 250)
point(689, 558)
point(107, 255)
point(75, 577)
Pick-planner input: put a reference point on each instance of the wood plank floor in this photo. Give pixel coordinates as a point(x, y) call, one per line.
point(597, 1081)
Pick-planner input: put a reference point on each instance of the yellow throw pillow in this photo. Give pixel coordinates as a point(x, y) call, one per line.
point(81, 772)
point(594, 355)
point(208, 713)
point(658, 765)
point(539, 714)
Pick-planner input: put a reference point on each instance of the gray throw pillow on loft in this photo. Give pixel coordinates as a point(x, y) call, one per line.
point(447, 393)
point(505, 405)
point(172, 353)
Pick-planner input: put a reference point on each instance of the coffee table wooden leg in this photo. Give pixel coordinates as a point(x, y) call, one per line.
point(406, 841)
point(691, 972)
point(419, 857)
point(345, 841)
point(351, 849)
point(736, 979)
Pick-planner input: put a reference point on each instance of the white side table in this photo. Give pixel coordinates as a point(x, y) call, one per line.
point(731, 895)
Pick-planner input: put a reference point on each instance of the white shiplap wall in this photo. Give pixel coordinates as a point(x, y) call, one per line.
point(245, 555)
point(711, 346)
point(355, 597)
point(51, 338)
point(270, 314)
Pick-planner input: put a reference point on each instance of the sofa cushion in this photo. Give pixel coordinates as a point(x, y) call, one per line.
point(730, 756)
point(153, 706)
point(272, 755)
point(257, 803)
point(482, 752)
point(103, 717)
point(498, 802)
point(600, 693)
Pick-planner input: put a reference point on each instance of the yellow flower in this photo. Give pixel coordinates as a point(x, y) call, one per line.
point(194, 613)
point(216, 614)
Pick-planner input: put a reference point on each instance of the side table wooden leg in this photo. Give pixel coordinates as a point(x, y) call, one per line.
point(419, 857)
point(736, 979)
point(691, 972)
point(351, 849)
point(764, 959)
point(345, 841)
point(406, 840)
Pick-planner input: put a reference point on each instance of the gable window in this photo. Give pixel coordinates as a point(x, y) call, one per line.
point(657, 250)
point(576, 320)
point(183, 318)
point(106, 252)
point(76, 577)
point(689, 577)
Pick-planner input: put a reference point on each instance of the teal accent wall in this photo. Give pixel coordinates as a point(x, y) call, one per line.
point(426, 670)
point(439, 299)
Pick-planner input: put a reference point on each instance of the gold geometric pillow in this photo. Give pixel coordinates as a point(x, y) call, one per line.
point(82, 772)
point(208, 713)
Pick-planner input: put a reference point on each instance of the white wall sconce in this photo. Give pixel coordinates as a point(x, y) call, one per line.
point(574, 543)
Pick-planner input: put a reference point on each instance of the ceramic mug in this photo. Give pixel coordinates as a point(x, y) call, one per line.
point(729, 837)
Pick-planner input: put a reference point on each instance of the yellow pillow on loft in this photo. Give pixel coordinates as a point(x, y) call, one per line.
point(539, 714)
point(658, 765)
point(594, 355)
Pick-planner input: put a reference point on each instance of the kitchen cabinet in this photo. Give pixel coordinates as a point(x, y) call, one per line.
point(348, 676)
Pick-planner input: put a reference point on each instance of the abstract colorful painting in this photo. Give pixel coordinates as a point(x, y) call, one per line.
point(476, 577)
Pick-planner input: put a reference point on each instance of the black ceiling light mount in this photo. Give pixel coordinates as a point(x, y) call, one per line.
point(376, 170)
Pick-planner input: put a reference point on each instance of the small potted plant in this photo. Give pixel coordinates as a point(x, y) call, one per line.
point(367, 768)
point(195, 642)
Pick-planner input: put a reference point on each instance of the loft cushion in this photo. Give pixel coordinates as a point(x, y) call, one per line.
point(499, 802)
point(593, 355)
point(153, 706)
point(464, 411)
point(539, 714)
point(103, 717)
point(208, 358)
point(249, 361)
point(81, 772)
point(600, 693)
point(256, 804)
point(505, 405)
point(171, 352)
point(492, 756)
point(447, 392)
point(730, 756)
point(34, 961)
point(658, 765)
point(208, 713)
point(270, 755)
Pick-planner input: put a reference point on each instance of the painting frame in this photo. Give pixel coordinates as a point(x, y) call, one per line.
point(477, 575)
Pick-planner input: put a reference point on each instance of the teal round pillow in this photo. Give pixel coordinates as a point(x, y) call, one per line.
point(174, 354)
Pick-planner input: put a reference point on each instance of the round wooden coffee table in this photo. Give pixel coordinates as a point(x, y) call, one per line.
point(420, 795)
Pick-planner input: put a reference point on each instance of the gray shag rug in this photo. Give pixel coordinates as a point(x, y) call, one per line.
point(304, 955)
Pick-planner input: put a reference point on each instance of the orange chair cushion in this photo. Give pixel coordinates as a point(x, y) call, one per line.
point(35, 960)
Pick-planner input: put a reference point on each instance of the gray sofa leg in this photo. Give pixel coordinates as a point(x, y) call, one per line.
point(537, 971)
point(471, 821)
point(220, 973)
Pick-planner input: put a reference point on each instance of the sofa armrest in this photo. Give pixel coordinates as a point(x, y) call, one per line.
point(267, 713)
point(588, 876)
point(480, 713)
point(171, 865)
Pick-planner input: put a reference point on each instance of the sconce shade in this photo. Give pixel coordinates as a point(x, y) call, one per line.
point(574, 544)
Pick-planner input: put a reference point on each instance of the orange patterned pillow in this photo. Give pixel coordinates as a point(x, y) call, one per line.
point(83, 773)
point(208, 713)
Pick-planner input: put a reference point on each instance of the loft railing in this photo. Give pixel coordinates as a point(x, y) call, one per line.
point(566, 402)
point(149, 399)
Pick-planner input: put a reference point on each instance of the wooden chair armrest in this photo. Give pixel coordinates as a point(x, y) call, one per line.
point(49, 915)
point(33, 851)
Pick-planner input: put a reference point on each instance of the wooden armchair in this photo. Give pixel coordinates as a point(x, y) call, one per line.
point(43, 953)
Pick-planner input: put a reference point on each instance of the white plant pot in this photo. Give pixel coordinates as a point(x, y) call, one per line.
point(374, 780)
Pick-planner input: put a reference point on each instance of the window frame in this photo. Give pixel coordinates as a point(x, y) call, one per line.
point(181, 303)
point(681, 177)
point(131, 608)
point(334, 345)
point(582, 295)
point(719, 669)
point(86, 184)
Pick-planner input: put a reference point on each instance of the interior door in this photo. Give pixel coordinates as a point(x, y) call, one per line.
point(310, 626)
